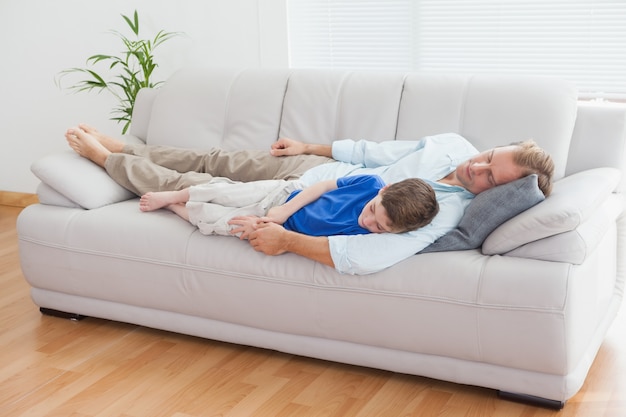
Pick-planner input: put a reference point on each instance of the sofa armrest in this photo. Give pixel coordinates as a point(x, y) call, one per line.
point(574, 200)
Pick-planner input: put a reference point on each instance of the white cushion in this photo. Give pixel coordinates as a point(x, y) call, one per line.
point(50, 196)
point(197, 108)
point(572, 201)
point(576, 245)
point(79, 180)
point(544, 109)
point(481, 109)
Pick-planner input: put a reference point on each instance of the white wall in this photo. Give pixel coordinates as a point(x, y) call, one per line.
point(39, 38)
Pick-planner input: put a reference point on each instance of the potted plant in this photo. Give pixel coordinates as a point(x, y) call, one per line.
point(130, 71)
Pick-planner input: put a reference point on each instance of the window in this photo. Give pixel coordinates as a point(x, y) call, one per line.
point(580, 40)
point(372, 34)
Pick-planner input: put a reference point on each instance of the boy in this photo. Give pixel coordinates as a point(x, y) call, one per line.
point(348, 206)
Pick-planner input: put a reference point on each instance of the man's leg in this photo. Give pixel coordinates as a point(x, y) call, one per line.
point(140, 175)
point(240, 165)
point(243, 165)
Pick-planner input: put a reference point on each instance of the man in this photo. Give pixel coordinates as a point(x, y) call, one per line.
point(448, 162)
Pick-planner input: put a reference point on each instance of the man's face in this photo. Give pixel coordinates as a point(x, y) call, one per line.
point(488, 169)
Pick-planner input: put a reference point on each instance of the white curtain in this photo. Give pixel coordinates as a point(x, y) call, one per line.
point(580, 40)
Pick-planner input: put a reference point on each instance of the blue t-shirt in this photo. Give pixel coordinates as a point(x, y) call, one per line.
point(336, 212)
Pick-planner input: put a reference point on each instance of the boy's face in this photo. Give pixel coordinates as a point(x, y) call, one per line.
point(374, 218)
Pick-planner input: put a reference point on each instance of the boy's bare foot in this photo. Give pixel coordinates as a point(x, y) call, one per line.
point(155, 200)
point(112, 144)
point(87, 145)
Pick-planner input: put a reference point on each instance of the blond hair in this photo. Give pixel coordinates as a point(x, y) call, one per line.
point(535, 160)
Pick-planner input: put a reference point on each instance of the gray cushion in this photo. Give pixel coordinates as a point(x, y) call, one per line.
point(487, 211)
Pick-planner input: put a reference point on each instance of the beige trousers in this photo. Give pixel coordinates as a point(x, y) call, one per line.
point(143, 168)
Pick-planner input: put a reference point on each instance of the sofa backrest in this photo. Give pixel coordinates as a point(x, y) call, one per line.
point(251, 108)
point(599, 138)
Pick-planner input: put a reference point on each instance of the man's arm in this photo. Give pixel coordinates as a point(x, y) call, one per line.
point(362, 152)
point(289, 147)
point(273, 239)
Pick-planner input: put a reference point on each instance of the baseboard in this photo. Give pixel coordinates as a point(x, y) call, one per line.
point(9, 198)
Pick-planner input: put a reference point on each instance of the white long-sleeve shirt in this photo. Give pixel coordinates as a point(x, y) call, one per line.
point(431, 158)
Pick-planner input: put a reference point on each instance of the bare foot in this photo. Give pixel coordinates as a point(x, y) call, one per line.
point(87, 145)
point(112, 144)
point(155, 200)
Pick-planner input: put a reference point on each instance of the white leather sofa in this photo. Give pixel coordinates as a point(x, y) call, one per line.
point(523, 314)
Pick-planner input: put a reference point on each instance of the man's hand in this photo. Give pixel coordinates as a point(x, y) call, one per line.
point(269, 238)
point(291, 147)
point(287, 147)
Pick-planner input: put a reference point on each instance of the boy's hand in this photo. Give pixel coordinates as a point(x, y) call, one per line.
point(287, 147)
point(244, 225)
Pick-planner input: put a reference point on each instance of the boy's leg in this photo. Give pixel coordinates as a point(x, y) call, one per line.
point(155, 200)
point(229, 193)
point(180, 209)
point(234, 199)
point(240, 165)
point(212, 219)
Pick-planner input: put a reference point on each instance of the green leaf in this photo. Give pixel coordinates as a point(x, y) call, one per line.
point(129, 71)
point(134, 24)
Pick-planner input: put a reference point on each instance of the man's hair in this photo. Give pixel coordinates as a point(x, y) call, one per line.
point(410, 204)
point(535, 160)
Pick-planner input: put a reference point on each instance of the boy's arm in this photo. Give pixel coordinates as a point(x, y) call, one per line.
point(280, 214)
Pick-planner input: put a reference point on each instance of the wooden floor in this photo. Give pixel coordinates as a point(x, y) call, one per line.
point(57, 367)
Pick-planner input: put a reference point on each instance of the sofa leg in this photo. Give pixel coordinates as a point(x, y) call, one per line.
point(532, 400)
point(61, 314)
